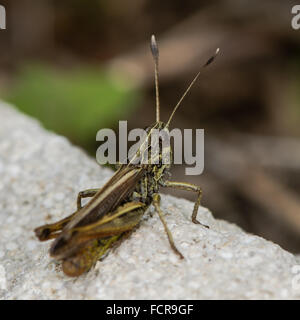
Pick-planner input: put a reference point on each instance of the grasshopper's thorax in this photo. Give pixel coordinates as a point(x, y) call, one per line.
point(156, 157)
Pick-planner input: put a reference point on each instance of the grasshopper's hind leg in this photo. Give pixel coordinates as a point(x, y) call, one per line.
point(51, 231)
point(188, 187)
point(156, 203)
point(85, 194)
point(101, 236)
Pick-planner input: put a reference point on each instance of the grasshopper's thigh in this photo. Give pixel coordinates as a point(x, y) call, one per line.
point(85, 194)
point(189, 187)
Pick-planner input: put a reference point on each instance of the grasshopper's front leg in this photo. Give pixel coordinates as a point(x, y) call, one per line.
point(188, 187)
point(156, 203)
point(85, 194)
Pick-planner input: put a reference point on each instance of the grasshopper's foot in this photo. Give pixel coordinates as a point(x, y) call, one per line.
point(194, 220)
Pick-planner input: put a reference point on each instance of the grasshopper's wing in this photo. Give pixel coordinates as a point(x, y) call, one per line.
point(103, 204)
point(86, 215)
point(108, 198)
point(123, 219)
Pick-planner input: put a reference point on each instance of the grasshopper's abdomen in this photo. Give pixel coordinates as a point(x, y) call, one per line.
point(84, 259)
point(88, 254)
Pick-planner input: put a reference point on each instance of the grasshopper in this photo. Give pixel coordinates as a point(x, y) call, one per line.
point(114, 211)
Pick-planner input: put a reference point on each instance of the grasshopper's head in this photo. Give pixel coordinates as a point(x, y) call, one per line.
point(159, 151)
point(154, 147)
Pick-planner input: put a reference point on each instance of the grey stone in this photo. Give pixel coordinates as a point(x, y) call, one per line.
point(41, 174)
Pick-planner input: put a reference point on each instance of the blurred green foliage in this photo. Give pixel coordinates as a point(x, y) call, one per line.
point(73, 103)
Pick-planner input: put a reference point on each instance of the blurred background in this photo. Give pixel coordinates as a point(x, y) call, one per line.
point(79, 66)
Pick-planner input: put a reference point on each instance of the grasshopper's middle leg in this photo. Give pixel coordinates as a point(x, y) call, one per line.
point(189, 187)
point(85, 194)
point(156, 203)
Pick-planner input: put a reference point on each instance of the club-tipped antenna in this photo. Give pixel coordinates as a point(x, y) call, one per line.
point(155, 54)
point(208, 62)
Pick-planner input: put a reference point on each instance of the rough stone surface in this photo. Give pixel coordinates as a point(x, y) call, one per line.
point(41, 174)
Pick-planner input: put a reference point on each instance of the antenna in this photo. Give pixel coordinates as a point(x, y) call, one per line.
point(209, 61)
point(155, 54)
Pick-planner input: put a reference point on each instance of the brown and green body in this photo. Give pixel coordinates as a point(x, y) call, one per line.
point(116, 209)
